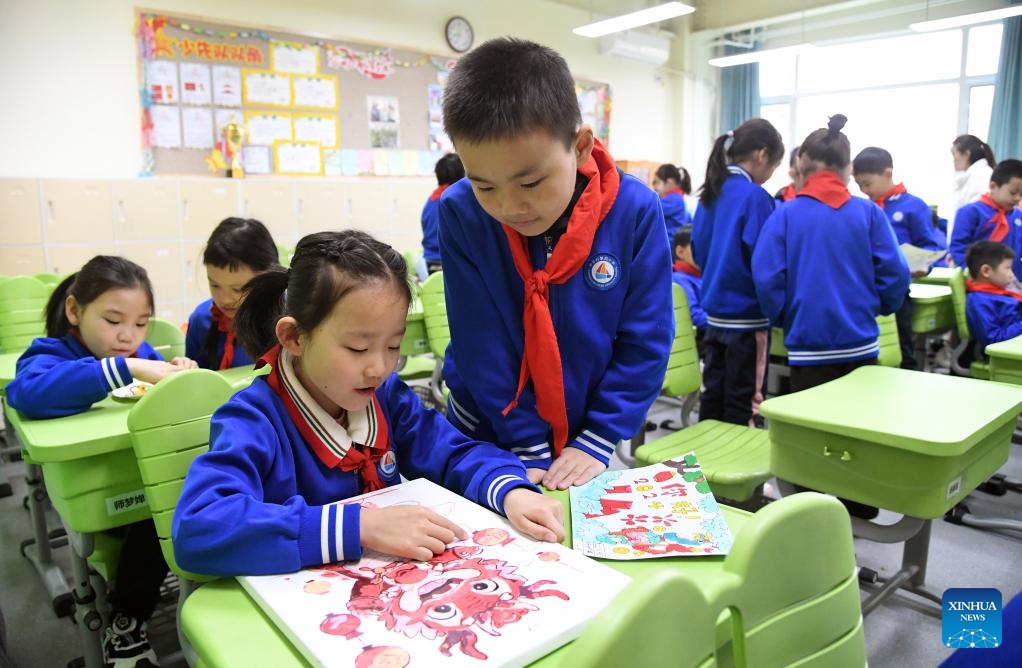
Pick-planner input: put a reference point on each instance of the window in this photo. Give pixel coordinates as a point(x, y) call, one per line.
point(911, 95)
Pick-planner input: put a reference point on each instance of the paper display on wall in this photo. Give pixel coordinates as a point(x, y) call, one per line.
point(496, 599)
point(310, 127)
point(663, 510)
point(197, 126)
point(294, 58)
point(260, 87)
point(162, 79)
point(384, 121)
point(265, 129)
point(256, 160)
point(226, 86)
point(195, 84)
point(303, 158)
point(166, 126)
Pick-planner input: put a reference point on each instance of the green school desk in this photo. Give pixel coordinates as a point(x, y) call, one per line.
point(937, 276)
point(874, 437)
point(1006, 361)
point(227, 628)
point(933, 309)
point(93, 482)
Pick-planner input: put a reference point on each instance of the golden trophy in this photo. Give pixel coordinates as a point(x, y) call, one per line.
point(233, 139)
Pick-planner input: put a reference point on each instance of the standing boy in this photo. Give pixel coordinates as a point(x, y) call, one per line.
point(911, 219)
point(448, 169)
point(994, 216)
point(556, 267)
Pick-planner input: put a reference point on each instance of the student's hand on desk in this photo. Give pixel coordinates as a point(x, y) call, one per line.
point(184, 363)
point(151, 371)
point(535, 475)
point(535, 515)
point(412, 532)
point(573, 467)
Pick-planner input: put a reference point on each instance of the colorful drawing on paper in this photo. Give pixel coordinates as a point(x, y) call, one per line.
point(495, 599)
point(663, 510)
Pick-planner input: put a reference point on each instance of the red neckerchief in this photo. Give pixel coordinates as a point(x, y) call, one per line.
point(541, 358)
point(360, 458)
point(826, 187)
point(77, 334)
point(674, 191)
point(999, 219)
point(990, 289)
point(435, 195)
point(896, 190)
point(789, 192)
point(224, 325)
point(686, 268)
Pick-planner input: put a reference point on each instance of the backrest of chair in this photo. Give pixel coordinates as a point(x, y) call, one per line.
point(22, 304)
point(890, 349)
point(796, 584)
point(683, 376)
point(48, 278)
point(660, 620)
point(284, 254)
point(957, 285)
point(169, 428)
point(434, 312)
point(164, 333)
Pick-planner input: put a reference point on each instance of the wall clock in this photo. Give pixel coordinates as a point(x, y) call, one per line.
point(458, 32)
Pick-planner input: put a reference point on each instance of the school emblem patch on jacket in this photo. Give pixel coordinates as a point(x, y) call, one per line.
point(603, 271)
point(387, 466)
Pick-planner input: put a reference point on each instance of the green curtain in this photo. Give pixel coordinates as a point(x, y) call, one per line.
point(739, 92)
point(1005, 135)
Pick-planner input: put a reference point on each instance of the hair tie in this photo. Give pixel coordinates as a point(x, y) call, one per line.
point(730, 133)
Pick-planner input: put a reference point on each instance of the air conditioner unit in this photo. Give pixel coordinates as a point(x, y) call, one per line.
point(642, 46)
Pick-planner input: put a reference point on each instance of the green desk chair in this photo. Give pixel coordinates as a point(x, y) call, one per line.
point(734, 458)
point(166, 337)
point(979, 368)
point(49, 278)
point(890, 348)
point(22, 303)
point(169, 428)
point(284, 254)
point(434, 309)
point(662, 620)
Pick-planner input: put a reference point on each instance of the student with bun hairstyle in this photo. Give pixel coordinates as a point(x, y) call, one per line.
point(827, 264)
point(668, 184)
point(238, 250)
point(733, 208)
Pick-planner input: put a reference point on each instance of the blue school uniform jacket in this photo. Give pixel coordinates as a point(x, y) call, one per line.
point(614, 329)
point(724, 235)
point(58, 377)
point(675, 213)
point(430, 225)
point(824, 275)
point(692, 286)
point(199, 323)
point(912, 221)
point(257, 502)
point(971, 225)
point(993, 318)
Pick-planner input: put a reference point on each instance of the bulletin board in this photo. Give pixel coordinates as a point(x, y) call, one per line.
point(309, 106)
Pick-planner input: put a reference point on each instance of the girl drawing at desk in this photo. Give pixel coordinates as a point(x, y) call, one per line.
point(96, 322)
point(331, 421)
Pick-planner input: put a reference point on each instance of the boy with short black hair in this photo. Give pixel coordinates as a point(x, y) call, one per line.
point(910, 218)
point(556, 267)
point(688, 275)
point(448, 170)
point(993, 217)
point(994, 312)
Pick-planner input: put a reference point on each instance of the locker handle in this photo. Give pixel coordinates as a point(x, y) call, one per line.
point(51, 211)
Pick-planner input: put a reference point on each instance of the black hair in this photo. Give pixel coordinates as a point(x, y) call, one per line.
point(828, 146)
point(793, 157)
point(751, 136)
point(686, 181)
point(683, 237)
point(238, 241)
point(98, 275)
point(235, 242)
point(1006, 170)
point(326, 266)
point(448, 169)
point(976, 148)
point(872, 160)
point(990, 253)
point(668, 172)
point(507, 87)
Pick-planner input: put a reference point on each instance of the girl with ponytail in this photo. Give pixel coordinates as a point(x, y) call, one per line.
point(733, 208)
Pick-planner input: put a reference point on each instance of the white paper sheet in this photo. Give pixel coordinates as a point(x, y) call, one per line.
point(197, 124)
point(166, 126)
point(195, 84)
point(226, 86)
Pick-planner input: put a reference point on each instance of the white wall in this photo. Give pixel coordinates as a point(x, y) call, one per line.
point(69, 70)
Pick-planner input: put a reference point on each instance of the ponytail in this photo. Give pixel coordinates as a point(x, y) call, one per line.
point(255, 323)
point(751, 136)
point(828, 147)
point(976, 148)
point(55, 311)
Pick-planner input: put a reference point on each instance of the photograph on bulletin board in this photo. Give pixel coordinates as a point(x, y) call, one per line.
point(370, 110)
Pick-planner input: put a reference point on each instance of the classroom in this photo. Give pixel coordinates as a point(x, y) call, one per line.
point(258, 258)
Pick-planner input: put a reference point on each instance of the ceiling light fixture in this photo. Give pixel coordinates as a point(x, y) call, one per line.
point(757, 56)
point(966, 19)
point(668, 10)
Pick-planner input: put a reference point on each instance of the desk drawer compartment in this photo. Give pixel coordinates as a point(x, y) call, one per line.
point(97, 493)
